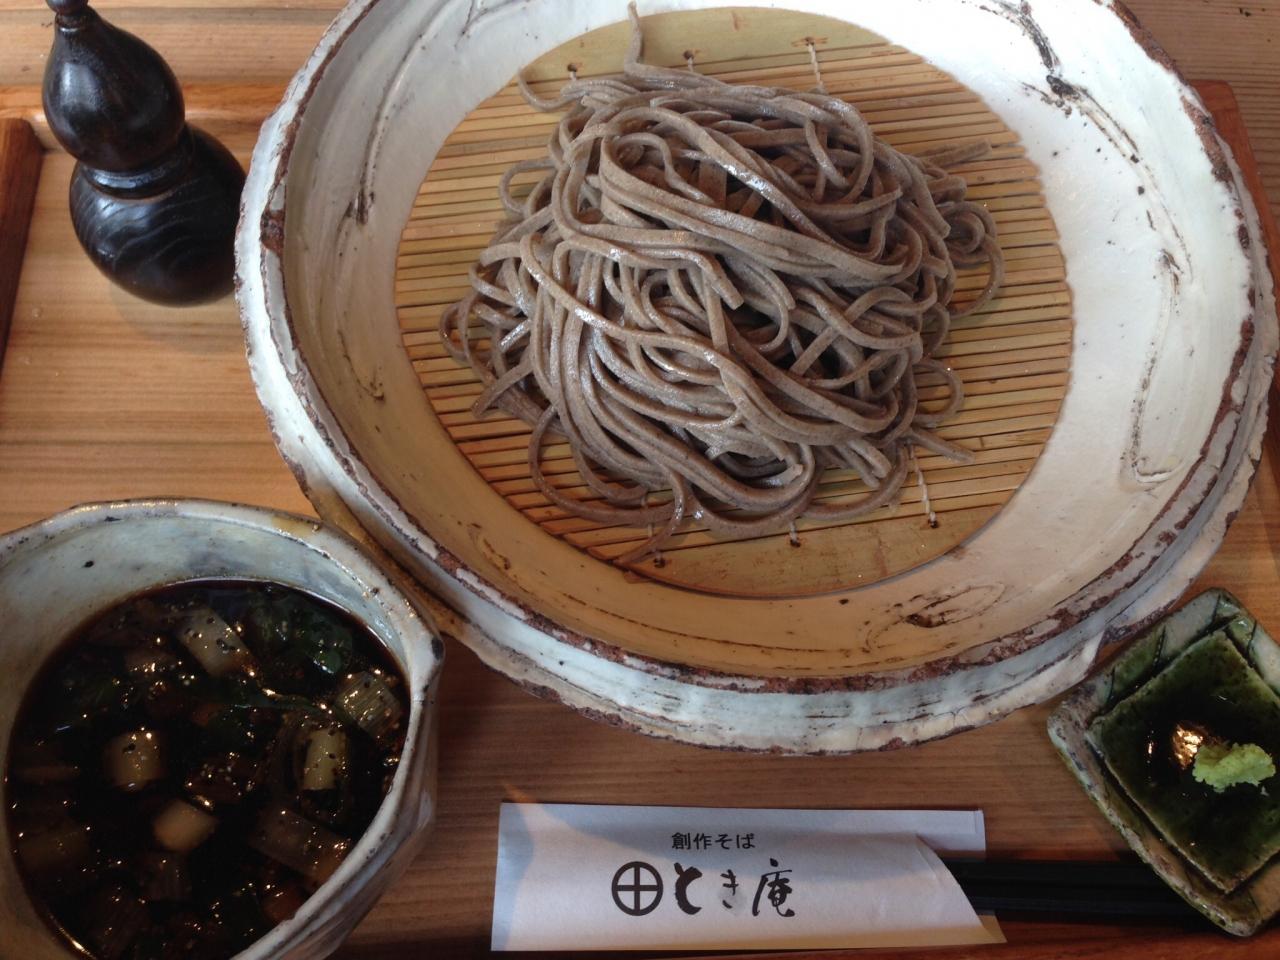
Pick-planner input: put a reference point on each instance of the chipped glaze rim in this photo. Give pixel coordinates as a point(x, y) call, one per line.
point(345, 489)
point(398, 829)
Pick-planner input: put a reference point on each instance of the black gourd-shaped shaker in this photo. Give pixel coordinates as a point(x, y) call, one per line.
point(154, 201)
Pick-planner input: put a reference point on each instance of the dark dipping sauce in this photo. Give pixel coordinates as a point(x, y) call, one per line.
point(195, 762)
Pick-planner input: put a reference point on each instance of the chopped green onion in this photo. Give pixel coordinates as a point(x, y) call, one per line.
point(164, 876)
point(299, 844)
point(213, 642)
point(181, 827)
point(114, 919)
point(370, 704)
point(41, 764)
point(133, 759)
point(325, 765)
point(61, 848)
point(149, 661)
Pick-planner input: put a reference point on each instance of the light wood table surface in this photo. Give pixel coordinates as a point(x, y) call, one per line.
point(104, 397)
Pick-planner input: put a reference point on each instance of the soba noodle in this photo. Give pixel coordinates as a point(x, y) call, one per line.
point(719, 291)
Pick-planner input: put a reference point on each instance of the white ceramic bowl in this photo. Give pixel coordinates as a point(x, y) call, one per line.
point(1174, 340)
point(60, 572)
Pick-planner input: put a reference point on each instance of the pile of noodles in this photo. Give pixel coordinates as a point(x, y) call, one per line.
point(719, 291)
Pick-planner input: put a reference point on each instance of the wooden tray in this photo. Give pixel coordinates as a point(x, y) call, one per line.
point(79, 420)
point(19, 173)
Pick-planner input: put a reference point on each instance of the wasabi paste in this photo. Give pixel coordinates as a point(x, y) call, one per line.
point(1222, 765)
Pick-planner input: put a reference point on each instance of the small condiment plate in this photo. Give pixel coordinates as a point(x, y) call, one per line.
point(1176, 664)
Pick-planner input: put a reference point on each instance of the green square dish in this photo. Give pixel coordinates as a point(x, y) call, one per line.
point(1147, 740)
point(1217, 850)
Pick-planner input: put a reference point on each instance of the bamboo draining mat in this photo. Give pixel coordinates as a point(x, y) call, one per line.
point(1013, 356)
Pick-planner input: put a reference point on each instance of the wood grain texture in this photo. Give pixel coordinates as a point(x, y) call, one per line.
point(257, 45)
point(1221, 101)
point(20, 162)
point(263, 42)
point(83, 417)
point(104, 397)
point(1011, 401)
point(230, 111)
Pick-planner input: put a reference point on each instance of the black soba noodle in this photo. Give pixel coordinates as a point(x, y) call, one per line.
point(720, 290)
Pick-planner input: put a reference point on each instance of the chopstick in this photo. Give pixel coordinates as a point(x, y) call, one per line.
point(1067, 887)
